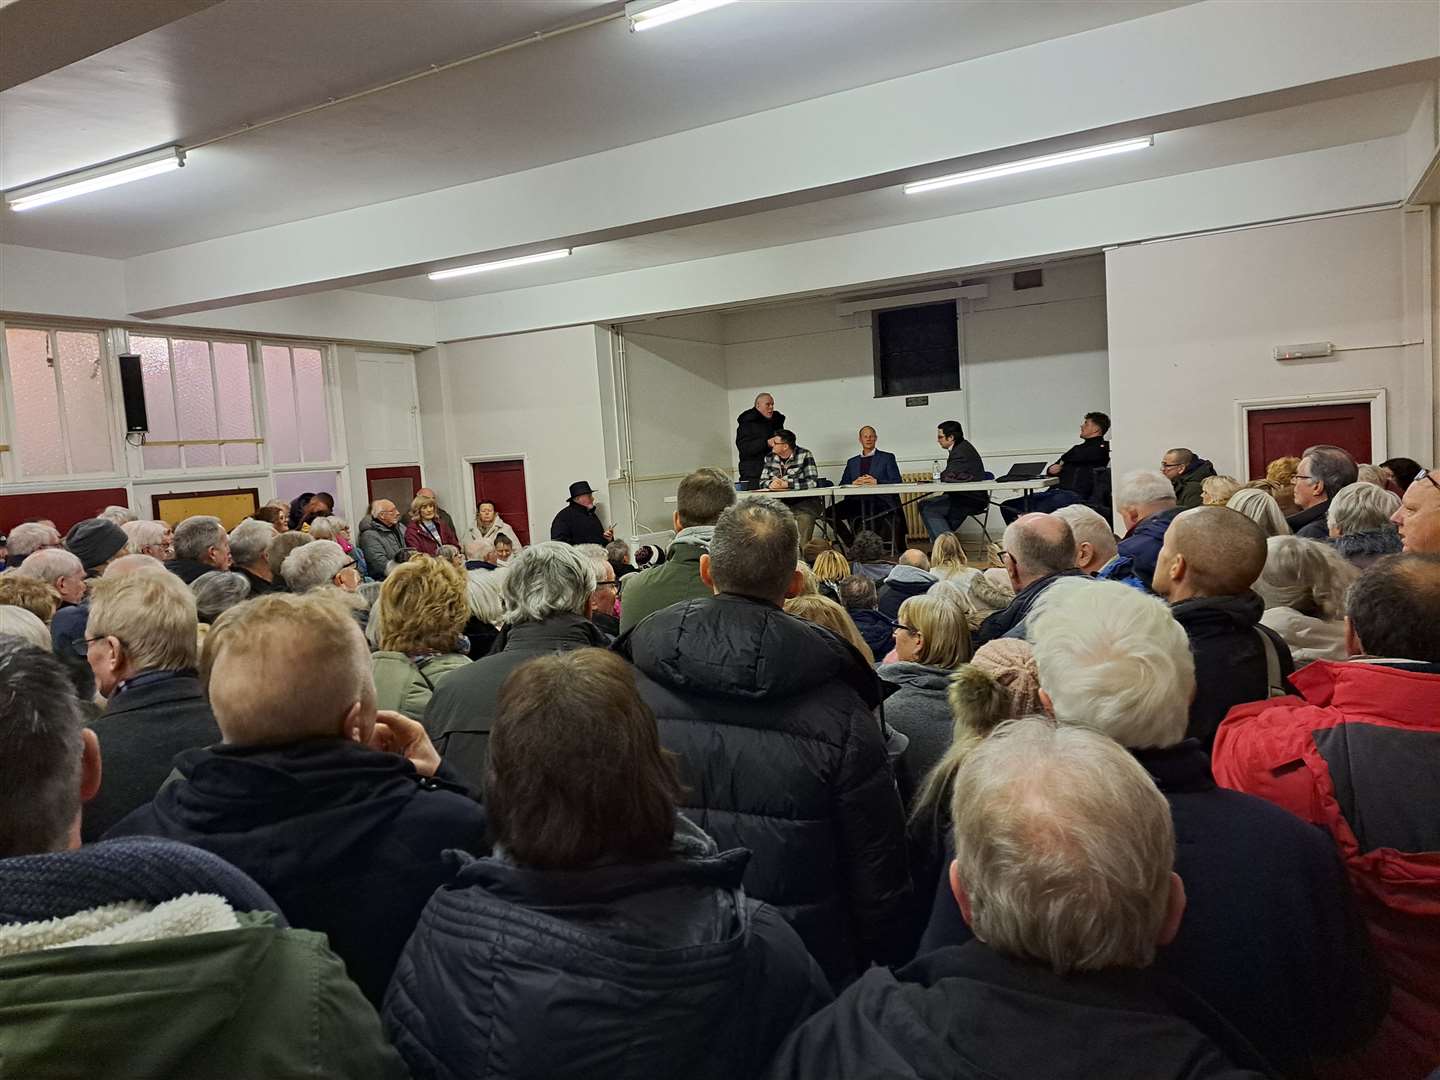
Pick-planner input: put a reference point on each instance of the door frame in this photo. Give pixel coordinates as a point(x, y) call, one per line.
point(469, 484)
point(1376, 398)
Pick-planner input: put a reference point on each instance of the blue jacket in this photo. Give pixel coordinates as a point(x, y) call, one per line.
point(1137, 554)
point(883, 467)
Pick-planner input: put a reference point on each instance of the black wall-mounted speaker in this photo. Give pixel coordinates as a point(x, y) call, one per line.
point(132, 389)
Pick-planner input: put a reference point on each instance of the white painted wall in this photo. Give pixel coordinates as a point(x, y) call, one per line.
point(381, 410)
point(1193, 323)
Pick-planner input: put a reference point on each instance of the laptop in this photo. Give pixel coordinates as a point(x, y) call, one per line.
point(1027, 470)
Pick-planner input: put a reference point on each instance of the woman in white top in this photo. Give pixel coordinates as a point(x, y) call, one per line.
point(1303, 585)
point(479, 541)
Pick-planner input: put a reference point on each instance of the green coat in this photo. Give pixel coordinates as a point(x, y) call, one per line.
point(1188, 493)
point(402, 686)
point(258, 1002)
point(676, 579)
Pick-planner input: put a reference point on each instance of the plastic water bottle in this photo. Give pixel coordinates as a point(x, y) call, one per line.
point(935, 470)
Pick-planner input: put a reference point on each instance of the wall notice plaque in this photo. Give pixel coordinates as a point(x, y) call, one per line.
point(911, 402)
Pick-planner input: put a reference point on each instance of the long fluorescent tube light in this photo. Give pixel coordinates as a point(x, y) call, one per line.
point(503, 264)
point(647, 16)
point(1025, 165)
point(97, 179)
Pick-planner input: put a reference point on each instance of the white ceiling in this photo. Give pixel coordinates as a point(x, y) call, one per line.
point(244, 61)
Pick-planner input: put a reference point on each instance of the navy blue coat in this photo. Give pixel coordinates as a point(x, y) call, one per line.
point(883, 467)
point(877, 628)
point(1137, 554)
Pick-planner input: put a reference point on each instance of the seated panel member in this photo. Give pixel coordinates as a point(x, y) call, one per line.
point(865, 469)
point(1076, 470)
point(790, 467)
point(945, 513)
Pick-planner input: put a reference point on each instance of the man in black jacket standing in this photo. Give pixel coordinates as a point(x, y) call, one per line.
point(577, 522)
point(779, 747)
point(755, 431)
point(1075, 469)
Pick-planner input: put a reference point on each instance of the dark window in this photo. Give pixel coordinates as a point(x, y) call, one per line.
point(917, 350)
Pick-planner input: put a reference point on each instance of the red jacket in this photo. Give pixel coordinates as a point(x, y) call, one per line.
point(418, 538)
point(1358, 753)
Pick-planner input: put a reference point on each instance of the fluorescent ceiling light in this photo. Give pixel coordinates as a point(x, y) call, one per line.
point(503, 264)
point(97, 179)
point(648, 14)
point(1010, 168)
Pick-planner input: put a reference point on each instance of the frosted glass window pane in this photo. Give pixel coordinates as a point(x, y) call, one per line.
point(195, 401)
point(314, 416)
point(38, 438)
point(237, 413)
point(159, 400)
point(280, 406)
point(87, 415)
point(292, 485)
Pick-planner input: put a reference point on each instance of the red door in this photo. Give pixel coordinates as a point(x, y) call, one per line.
point(64, 508)
point(398, 483)
point(503, 483)
point(1276, 433)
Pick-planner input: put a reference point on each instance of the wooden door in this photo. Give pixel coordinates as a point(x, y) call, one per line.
point(1275, 433)
point(503, 483)
point(398, 483)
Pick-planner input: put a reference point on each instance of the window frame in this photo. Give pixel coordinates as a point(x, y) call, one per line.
point(876, 355)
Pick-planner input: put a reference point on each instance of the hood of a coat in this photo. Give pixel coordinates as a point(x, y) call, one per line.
point(1156, 525)
point(901, 574)
point(1375, 542)
point(1219, 612)
point(733, 646)
point(921, 677)
point(369, 524)
point(1199, 469)
point(755, 416)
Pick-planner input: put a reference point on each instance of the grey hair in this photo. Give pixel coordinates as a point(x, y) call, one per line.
point(548, 578)
point(1361, 507)
point(249, 541)
point(144, 534)
point(31, 536)
point(313, 565)
point(216, 591)
point(1143, 487)
point(41, 749)
point(1089, 527)
point(483, 591)
point(1064, 846)
point(1261, 508)
point(1331, 466)
point(1307, 575)
point(755, 548)
point(48, 564)
point(1370, 474)
point(324, 527)
point(195, 535)
point(1034, 551)
point(120, 515)
point(23, 625)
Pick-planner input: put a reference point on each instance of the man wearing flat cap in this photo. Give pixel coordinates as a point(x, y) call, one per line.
point(578, 523)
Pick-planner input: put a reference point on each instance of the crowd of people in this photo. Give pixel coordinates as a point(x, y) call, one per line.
point(427, 802)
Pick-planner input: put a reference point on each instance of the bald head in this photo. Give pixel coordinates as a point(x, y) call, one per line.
point(1038, 545)
point(130, 564)
point(1209, 551)
point(915, 557)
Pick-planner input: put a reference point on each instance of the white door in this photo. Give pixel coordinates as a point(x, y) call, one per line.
point(390, 408)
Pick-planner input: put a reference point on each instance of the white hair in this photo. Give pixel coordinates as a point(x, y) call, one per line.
point(1143, 487)
point(17, 622)
point(48, 564)
point(217, 591)
point(118, 514)
point(1307, 575)
point(249, 539)
point(1361, 507)
point(1261, 508)
point(1064, 846)
point(599, 560)
point(143, 534)
point(31, 536)
point(546, 579)
point(327, 528)
point(313, 565)
point(1090, 528)
point(1113, 659)
point(483, 590)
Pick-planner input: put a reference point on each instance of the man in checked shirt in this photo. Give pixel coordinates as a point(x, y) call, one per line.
point(792, 468)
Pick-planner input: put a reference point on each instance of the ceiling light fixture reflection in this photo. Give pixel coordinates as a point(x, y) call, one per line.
point(1047, 161)
point(95, 179)
point(502, 264)
point(648, 14)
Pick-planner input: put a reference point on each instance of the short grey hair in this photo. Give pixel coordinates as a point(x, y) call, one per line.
point(755, 548)
point(1261, 508)
point(1089, 527)
point(1114, 659)
point(598, 560)
point(195, 535)
point(1307, 575)
point(41, 748)
point(1064, 846)
point(24, 625)
point(327, 528)
point(1041, 544)
point(51, 563)
point(1331, 466)
point(313, 565)
point(217, 591)
point(120, 515)
point(144, 534)
point(1143, 487)
point(1361, 507)
point(548, 578)
point(249, 541)
point(31, 536)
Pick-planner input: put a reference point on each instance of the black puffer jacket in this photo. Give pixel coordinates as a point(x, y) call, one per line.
point(781, 753)
point(609, 972)
point(752, 440)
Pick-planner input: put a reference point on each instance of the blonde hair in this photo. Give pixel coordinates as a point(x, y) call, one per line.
point(1216, 490)
point(419, 503)
point(1370, 474)
point(830, 565)
point(825, 612)
point(34, 596)
point(1307, 575)
point(423, 606)
point(944, 631)
point(811, 584)
point(1260, 507)
point(152, 614)
point(948, 553)
point(1282, 471)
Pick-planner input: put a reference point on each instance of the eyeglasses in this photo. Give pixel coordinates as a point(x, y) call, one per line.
point(81, 646)
point(1425, 474)
point(607, 585)
point(1307, 479)
point(1170, 465)
point(907, 629)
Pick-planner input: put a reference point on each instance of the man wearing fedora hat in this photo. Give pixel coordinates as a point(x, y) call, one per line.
point(578, 523)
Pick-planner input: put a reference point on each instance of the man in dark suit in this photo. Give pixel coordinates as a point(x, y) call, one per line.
point(942, 513)
point(865, 469)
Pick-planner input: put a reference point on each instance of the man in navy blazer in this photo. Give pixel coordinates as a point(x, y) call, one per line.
point(870, 466)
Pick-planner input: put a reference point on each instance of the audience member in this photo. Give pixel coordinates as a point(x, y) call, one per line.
point(824, 611)
point(504, 548)
point(619, 555)
point(1077, 472)
point(24, 625)
point(31, 594)
point(1418, 517)
point(482, 592)
point(118, 515)
point(330, 527)
point(217, 592)
point(578, 522)
point(909, 577)
point(479, 540)
point(1039, 551)
point(780, 752)
point(1323, 471)
point(201, 544)
point(869, 557)
point(1281, 472)
point(277, 517)
point(96, 542)
point(153, 538)
point(701, 498)
point(427, 531)
point(1359, 523)
point(60, 570)
point(26, 539)
point(145, 957)
point(279, 549)
point(831, 568)
point(1095, 542)
point(1303, 585)
point(1187, 474)
point(931, 641)
point(451, 554)
point(440, 511)
point(303, 793)
point(1216, 490)
point(319, 564)
point(599, 891)
point(601, 607)
point(1064, 856)
point(141, 646)
point(382, 537)
point(420, 619)
point(1260, 507)
point(858, 597)
point(249, 556)
point(546, 593)
point(1401, 471)
point(948, 562)
point(1356, 752)
point(1145, 502)
point(1211, 558)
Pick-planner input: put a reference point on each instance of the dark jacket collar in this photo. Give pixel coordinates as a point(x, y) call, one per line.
point(1035, 588)
point(1305, 517)
point(1180, 769)
point(1240, 612)
point(151, 688)
point(548, 633)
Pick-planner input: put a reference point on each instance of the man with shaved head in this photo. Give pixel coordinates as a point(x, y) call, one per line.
point(1039, 551)
point(1210, 558)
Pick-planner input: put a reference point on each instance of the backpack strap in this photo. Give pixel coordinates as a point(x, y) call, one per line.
point(1274, 679)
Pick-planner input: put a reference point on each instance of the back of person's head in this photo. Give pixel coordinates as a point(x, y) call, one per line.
point(24, 625)
point(1064, 848)
point(143, 534)
point(755, 549)
point(47, 564)
point(196, 535)
point(703, 496)
point(940, 621)
point(325, 527)
point(577, 774)
point(153, 615)
point(1394, 608)
point(482, 593)
point(1282, 471)
point(857, 593)
point(217, 591)
point(28, 537)
point(1224, 551)
point(951, 429)
point(948, 553)
point(1145, 491)
point(545, 580)
point(867, 547)
point(618, 552)
point(786, 436)
point(809, 583)
point(1040, 545)
point(134, 564)
point(118, 515)
point(1361, 507)
point(1307, 575)
point(281, 668)
point(1260, 507)
point(41, 745)
point(423, 607)
point(1114, 659)
point(249, 541)
point(916, 558)
point(29, 593)
point(1331, 466)
point(1089, 527)
point(1369, 474)
point(1216, 490)
point(282, 546)
point(821, 610)
point(313, 565)
point(831, 566)
point(1403, 469)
